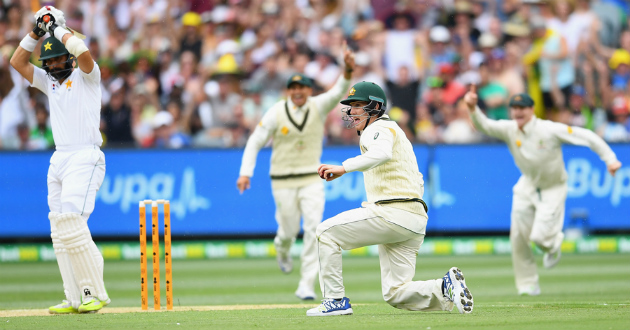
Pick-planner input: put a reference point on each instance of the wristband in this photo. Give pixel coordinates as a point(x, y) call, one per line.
point(59, 32)
point(28, 43)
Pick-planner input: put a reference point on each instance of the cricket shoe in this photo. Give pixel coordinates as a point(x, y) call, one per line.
point(455, 289)
point(331, 307)
point(285, 262)
point(532, 290)
point(64, 308)
point(305, 293)
point(551, 258)
point(92, 305)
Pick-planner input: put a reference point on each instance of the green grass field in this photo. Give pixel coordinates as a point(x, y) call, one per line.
point(583, 292)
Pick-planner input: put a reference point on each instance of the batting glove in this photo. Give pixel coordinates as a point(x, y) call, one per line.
point(55, 17)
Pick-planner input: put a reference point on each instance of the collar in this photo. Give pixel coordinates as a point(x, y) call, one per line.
point(529, 127)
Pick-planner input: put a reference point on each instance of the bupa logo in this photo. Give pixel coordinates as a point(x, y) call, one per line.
point(128, 189)
point(585, 178)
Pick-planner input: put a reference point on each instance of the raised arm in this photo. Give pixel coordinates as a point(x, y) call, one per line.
point(495, 128)
point(583, 137)
point(327, 101)
point(20, 59)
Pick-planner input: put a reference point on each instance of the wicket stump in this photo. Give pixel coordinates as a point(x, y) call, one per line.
point(168, 267)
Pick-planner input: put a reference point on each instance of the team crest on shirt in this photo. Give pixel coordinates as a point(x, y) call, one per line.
point(68, 85)
point(541, 145)
point(299, 145)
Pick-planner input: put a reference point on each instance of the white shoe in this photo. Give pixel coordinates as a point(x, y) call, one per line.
point(331, 307)
point(551, 258)
point(455, 290)
point(533, 290)
point(305, 293)
point(285, 262)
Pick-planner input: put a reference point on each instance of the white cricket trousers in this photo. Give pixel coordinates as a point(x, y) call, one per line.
point(292, 204)
point(397, 248)
point(74, 176)
point(538, 217)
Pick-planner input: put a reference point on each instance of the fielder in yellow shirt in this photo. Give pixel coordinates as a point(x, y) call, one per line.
point(541, 191)
point(394, 217)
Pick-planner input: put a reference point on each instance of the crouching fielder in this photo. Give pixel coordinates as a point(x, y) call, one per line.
point(77, 167)
point(541, 191)
point(395, 217)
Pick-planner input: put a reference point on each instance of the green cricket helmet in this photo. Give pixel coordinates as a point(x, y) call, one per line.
point(52, 48)
point(368, 92)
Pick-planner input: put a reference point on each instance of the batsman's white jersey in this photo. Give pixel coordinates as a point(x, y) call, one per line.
point(75, 107)
point(393, 217)
point(539, 197)
point(298, 134)
point(76, 172)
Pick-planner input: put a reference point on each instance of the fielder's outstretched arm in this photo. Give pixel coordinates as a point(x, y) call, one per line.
point(584, 137)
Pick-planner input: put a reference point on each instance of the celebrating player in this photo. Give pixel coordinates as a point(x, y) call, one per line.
point(541, 191)
point(77, 167)
point(297, 128)
point(394, 217)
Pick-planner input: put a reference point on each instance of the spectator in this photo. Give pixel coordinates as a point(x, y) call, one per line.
point(493, 95)
point(616, 129)
point(460, 129)
point(116, 117)
point(166, 134)
point(404, 93)
point(41, 136)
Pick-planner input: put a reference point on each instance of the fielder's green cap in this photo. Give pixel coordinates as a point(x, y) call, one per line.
point(366, 91)
point(301, 79)
point(52, 47)
point(521, 100)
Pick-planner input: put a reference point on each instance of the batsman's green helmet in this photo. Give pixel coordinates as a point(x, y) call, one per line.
point(52, 47)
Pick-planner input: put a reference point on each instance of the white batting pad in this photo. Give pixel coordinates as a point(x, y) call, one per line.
point(70, 286)
point(75, 235)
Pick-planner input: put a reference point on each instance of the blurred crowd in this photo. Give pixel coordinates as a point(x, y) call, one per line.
point(195, 73)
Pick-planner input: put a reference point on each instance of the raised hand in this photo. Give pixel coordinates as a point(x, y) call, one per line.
point(471, 98)
point(612, 168)
point(348, 58)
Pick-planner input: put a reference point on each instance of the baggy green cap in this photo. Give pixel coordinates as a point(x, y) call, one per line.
point(521, 100)
point(301, 79)
point(52, 47)
point(366, 91)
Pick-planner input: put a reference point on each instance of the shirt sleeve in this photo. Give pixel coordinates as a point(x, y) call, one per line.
point(327, 101)
point(583, 137)
point(379, 144)
point(94, 76)
point(495, 128)
point(40, 80)
point(257, 140)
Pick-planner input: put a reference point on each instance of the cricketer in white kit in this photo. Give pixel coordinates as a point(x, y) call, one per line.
point(394, 217)
point(539, 195)
point(297, 128)
point(77, 167)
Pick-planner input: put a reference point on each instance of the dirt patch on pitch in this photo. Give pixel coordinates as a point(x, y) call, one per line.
point(117, 310)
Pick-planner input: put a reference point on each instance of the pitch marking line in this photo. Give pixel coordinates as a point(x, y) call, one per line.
point(116, 310)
